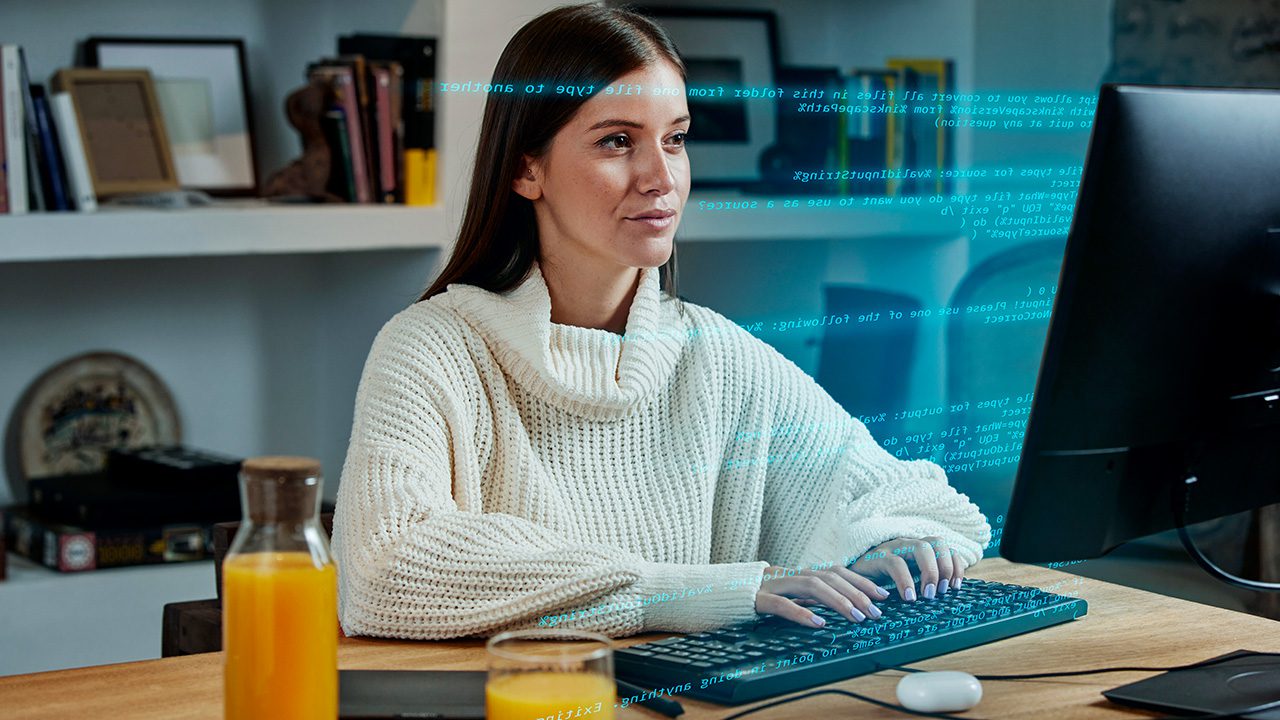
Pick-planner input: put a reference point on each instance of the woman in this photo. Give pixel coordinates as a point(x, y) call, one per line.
point(547, 437)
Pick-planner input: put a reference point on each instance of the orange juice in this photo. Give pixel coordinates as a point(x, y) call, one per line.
point(543, 695)
point(278, 614)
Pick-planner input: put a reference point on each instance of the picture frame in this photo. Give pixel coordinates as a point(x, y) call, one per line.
point(203, 87)
point(125, 142)
point(739, 48)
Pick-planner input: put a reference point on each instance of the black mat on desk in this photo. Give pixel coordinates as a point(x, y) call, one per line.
point(385, 694)
point(1248, 680)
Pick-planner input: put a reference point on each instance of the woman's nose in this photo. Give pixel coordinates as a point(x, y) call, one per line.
point(655, 172)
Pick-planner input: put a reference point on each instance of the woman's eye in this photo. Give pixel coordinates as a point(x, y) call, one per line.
point(610, 139)
point(683, 138)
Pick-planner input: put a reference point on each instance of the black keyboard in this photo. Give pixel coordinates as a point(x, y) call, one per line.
point(770, 656)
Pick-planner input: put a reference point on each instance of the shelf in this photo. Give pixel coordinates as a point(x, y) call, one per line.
point(112, 233)
point(701, 224)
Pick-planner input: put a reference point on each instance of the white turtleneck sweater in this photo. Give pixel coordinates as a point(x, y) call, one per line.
point(503, 468)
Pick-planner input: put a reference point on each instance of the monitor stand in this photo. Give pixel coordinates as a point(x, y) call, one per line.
point(1243, 681)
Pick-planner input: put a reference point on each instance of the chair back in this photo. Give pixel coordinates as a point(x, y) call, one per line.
point(866, 366)
point(991, 361)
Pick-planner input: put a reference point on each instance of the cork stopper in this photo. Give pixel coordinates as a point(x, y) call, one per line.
point(281, 466)
point(280, 488)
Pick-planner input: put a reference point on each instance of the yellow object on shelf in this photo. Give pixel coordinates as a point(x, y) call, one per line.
point(420, 176)
point(543, 695)
point(280, 637)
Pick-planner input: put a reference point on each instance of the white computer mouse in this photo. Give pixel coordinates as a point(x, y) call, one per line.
point(943, 691)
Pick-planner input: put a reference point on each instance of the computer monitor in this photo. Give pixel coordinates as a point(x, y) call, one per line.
point(1161, 367)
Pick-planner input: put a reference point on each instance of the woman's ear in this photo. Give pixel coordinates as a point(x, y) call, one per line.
point(527, 184)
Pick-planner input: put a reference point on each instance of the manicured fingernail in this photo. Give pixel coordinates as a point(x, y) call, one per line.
point(930, 590)
point(874, 610)
point(817, 620)
point(910, 594)
point(857, 614)
point(958, 581)
point(882, 592)
point(942, 586)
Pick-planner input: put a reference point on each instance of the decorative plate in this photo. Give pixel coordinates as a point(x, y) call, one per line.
point(75, 412)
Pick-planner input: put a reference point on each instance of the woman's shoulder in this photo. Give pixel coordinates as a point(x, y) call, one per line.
point(712, 331)
point(428, 334)
point(706, 324)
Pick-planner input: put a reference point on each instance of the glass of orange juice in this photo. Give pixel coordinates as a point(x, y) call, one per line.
point(279, 598)
point(552, 674)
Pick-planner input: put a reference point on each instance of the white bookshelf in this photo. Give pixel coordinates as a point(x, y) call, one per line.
point(119, 234)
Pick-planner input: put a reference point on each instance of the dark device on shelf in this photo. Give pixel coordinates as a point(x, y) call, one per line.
point(142, 487)
point(771, 656)
point(1157, 404)
point(388, 694)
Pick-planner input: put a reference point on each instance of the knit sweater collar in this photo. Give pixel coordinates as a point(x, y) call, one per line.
point(587, 371)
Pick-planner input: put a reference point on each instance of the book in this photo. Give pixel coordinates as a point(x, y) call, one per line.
point(342, 80)
point(70, 548)
point(4, 210)
point(866, 136)
point(341, 180)
point(72, 141)
point(933, 140)
point(416, 54)
point(99, 501)
point(417, 57)
point(388, 120)
point(37, 168)
point(368, 117)
point(15, 152)
point(55, 186)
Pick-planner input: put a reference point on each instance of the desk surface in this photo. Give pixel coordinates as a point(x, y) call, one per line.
point(1124, 627)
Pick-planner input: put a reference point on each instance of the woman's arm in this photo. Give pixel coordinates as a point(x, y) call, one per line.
point(413, 564)
point(832, 491)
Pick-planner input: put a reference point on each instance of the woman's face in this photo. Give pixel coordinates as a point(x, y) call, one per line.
point(619, 158)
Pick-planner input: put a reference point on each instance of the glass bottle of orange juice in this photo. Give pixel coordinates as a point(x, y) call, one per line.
point(280, 598)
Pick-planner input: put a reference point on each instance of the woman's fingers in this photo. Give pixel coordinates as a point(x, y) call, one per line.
point(841, 581)
point(942, 554)
point(826, 587)
point(898, 571)
point(923, 554)
point(865, 584)
point(770, 604)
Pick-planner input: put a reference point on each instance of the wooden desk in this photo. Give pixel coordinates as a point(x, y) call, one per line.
point(1124, 627)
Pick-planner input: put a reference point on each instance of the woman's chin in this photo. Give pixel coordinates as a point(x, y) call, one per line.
point(647, 252)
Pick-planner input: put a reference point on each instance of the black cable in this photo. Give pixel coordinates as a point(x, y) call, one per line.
point(1033, 676)
point(1026, 676)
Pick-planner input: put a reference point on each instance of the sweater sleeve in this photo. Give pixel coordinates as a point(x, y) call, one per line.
point(414, 564)
point(832, 492)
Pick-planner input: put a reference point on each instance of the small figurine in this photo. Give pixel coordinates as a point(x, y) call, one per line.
point(308, 176)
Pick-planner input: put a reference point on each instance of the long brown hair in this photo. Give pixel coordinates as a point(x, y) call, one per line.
point(571, 45)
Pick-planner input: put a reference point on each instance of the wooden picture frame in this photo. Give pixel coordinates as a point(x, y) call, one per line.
point(125, 143)
point(202, 84)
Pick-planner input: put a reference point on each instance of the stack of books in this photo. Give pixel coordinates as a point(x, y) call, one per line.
point(42, 160)
point(379, 120)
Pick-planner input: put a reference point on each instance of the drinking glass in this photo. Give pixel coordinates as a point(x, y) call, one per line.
point(550, 674)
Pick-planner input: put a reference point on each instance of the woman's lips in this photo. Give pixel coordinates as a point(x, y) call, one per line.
point(657, 223)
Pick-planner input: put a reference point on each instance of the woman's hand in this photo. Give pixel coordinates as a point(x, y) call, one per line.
point(783, 592)
point(939, 567)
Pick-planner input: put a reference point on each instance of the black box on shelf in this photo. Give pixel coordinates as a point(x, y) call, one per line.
point(167, 467)
point(101, 501)
point(69, 548)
